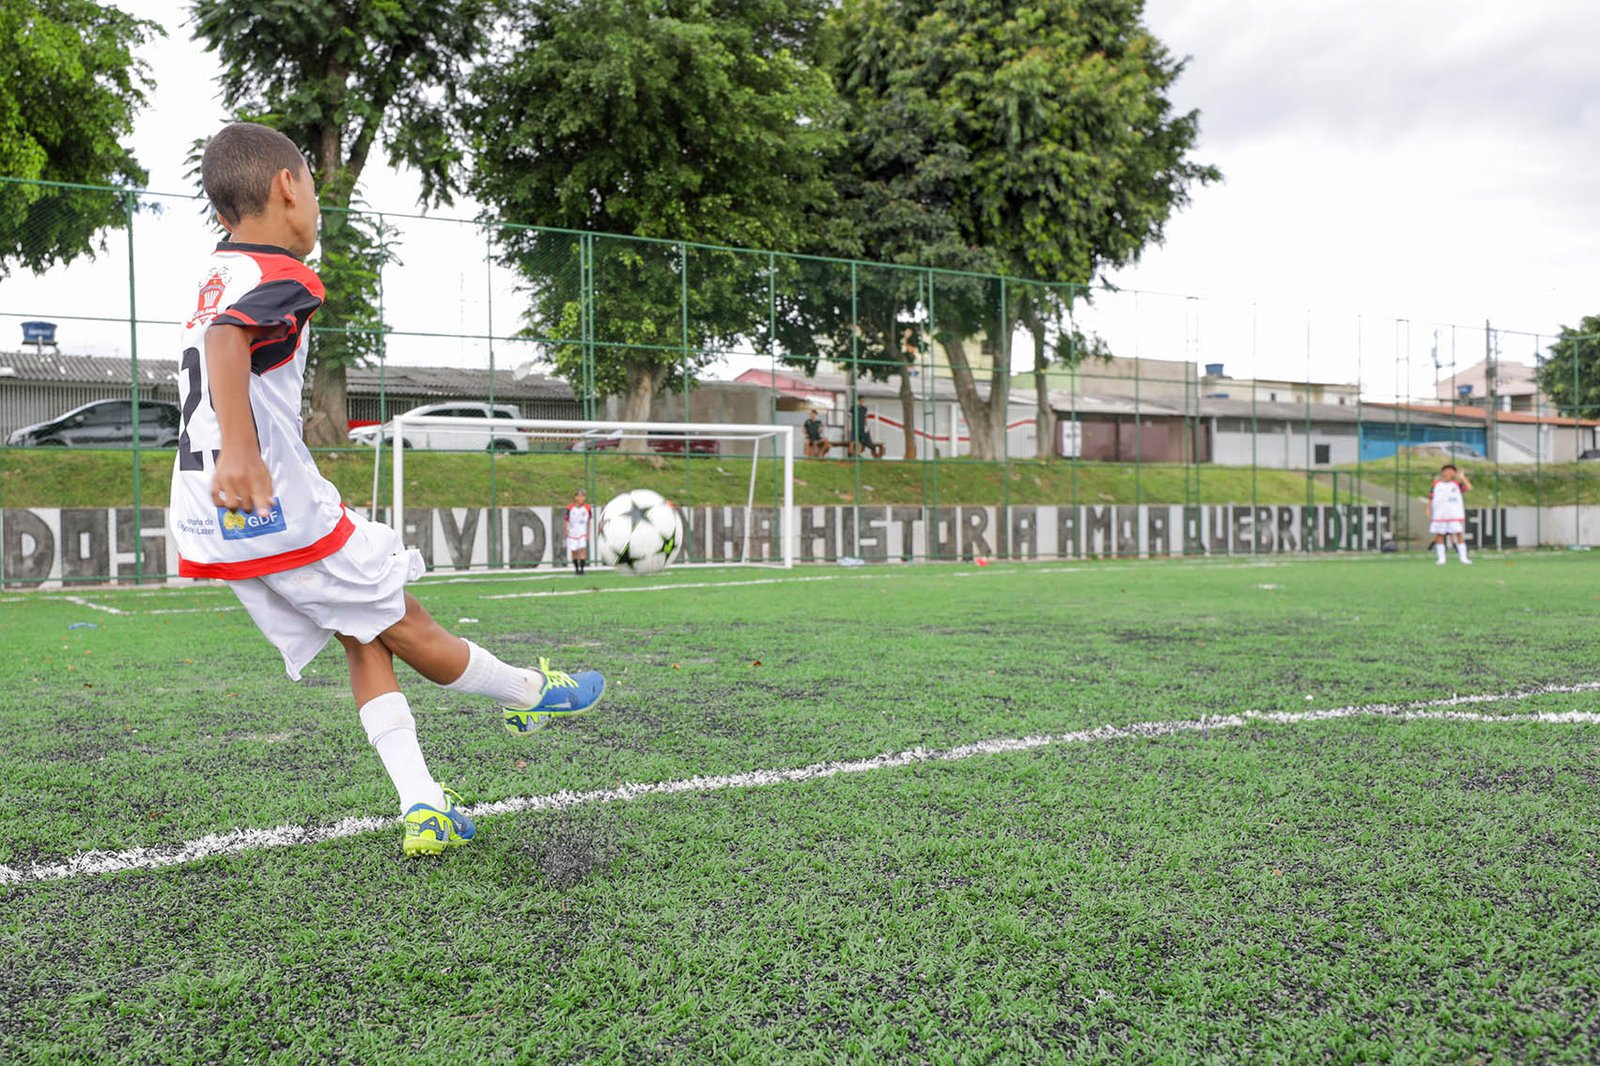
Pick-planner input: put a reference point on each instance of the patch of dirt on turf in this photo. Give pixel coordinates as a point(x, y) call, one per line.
point(1541, 779)
point(572, 846)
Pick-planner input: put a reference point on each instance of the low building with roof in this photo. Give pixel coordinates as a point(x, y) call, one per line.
point(39, 383)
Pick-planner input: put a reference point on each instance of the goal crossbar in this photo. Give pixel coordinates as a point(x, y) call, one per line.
point(782, 438)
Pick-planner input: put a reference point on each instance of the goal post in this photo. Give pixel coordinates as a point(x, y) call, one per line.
point(731, 522)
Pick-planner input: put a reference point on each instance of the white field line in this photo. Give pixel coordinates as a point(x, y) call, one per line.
point(878, 572)
point(81, 602)
point(242, 840)
point(674, 586)
point(892, 571)
point(195, 610)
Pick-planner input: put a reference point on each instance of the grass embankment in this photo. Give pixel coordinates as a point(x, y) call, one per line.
point(90, 478)
point(1547, 485)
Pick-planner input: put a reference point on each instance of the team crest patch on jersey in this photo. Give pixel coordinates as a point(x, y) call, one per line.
point(240, 525)
point(210, 297)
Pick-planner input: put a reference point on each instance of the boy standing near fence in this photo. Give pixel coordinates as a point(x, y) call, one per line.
point(249, 506)
point(1447, 512)
point(578, 516)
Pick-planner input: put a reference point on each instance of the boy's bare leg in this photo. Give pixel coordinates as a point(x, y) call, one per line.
point(371, 670)
point(391, 730)
point(457, 664)
point(426, 646)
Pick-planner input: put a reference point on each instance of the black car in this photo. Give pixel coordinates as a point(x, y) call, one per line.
point(105, 424)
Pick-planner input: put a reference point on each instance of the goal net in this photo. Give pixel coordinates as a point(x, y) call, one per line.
point(490, 492)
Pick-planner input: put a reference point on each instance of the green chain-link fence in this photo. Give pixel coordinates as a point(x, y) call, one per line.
point(1118, 422)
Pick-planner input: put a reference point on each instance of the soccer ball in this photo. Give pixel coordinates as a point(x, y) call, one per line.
point(639, 532)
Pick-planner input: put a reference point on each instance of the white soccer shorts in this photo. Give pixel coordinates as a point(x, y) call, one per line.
point(1447, 525)
point(577, 544)
point(359, 591)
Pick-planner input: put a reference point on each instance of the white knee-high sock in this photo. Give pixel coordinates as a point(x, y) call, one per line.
point(487, 676)
point(1439, 550)
point(393, 734)
point(1461, 549)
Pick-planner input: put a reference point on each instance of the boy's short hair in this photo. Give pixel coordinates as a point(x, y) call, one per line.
point(239, 165)
point(1447, 466)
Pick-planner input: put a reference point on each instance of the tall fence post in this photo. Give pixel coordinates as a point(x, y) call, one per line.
point(1004, 355)
point(133, 364)
point(493, 562)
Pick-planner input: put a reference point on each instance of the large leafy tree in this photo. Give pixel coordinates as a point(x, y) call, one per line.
point(694, 120)
point(1570, 374)
point(70, 87)
point(345, 79)
point(897, 205)
point(1050, 148)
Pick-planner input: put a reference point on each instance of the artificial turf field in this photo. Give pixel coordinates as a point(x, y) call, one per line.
point(1366, 886)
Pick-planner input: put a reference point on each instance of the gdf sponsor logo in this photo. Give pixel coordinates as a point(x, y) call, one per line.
point(239, 525)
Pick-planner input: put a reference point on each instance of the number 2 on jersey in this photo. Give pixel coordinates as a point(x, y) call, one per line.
point(190, 366)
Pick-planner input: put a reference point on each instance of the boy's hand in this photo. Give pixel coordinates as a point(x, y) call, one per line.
point(242, 482)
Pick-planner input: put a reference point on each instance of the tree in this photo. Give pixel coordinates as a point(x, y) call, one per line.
point(676, 119)
point(1570, 375)
point(342, 78)
point(1052, 149)
point(896, 206)
point(70, 87)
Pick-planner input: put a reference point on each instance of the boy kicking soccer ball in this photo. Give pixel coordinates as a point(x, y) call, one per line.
point(1447, 512)
point(249, 507)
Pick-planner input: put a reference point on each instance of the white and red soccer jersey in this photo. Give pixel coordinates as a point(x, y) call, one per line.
point(1449, 505)
point(273, 294)
point(578, 516)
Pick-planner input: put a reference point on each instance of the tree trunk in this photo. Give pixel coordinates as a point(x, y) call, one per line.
point(1045, 419)
point(328, 424)
point(908, 413)
point(643, 381)
point(979, 423)
point(999, 400)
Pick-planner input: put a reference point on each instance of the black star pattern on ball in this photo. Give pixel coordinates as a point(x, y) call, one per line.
point(669, 544)
point(638, 515)
point(625, 556)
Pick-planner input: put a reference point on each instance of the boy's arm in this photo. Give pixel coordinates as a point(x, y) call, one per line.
point(1466, 482)
point(242, 481)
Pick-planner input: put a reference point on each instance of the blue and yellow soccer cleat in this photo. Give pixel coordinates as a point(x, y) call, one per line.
point(429, 830)
point(563, 694)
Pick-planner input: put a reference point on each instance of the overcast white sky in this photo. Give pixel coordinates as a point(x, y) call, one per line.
point(1392, 168)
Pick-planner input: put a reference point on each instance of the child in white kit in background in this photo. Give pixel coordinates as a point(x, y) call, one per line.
point(579, 516)
point(1447, 512)
point(249, 506)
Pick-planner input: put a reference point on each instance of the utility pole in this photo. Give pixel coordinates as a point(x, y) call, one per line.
point(1491, 385)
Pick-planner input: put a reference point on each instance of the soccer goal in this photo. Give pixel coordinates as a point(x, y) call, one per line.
point(504, 503)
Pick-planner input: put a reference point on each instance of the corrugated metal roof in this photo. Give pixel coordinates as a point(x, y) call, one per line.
point(61, 368)
point(1465, 413)
point(40, 367)
point(454, 382)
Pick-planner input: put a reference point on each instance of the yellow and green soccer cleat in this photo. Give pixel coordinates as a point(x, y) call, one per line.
point(429, 830)
point(563, 695)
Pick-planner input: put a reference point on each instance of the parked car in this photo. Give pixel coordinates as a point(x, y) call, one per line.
point(104, 424)
point(496, 438)
point(666, 444)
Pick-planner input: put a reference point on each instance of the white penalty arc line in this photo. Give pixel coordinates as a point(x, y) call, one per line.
point(242, 840)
